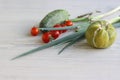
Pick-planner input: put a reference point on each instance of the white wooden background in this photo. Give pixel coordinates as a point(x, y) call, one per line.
point(78, 62)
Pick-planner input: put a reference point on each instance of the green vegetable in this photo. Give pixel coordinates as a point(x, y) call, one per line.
point(72, 38)
point(54, 17)
point(101, 34)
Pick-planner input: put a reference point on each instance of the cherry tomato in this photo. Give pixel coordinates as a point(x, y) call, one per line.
point(34, 31)
point(46, 37)
point(55, 34)
point(69, 23)
point(58, 26)
point(63, 25)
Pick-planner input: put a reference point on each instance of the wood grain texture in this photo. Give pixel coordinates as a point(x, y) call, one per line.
point(78, 62)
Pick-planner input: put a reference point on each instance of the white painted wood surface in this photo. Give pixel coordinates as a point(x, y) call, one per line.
point(79, 62)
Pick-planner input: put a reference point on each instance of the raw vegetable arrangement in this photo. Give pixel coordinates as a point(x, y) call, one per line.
point(98, 33)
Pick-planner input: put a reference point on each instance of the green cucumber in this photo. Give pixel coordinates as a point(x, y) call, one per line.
point(54, 17)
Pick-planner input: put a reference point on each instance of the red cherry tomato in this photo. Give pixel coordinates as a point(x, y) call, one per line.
point(46, 37)
point(69, 23)
point(63, 25)
point(55, 34)
point(58, 26)
point(34, 31)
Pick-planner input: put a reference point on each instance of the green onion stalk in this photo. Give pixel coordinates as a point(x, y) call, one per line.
point(83, 24)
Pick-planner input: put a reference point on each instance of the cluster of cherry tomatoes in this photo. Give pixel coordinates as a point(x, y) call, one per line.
point(51, 35)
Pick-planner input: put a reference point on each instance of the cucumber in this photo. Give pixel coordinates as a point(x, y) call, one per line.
point(54, 17)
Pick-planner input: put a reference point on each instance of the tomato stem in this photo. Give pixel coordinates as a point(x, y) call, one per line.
point(60, 28)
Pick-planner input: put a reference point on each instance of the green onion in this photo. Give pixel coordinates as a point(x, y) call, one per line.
point(64, 39)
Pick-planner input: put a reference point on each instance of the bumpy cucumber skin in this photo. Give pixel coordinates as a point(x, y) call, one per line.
point(54, 17)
